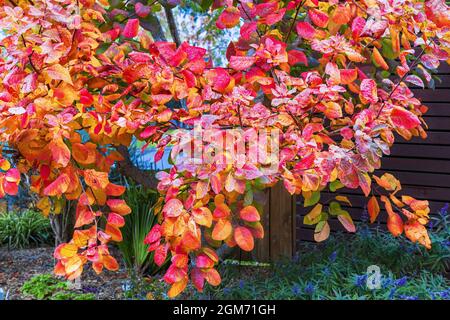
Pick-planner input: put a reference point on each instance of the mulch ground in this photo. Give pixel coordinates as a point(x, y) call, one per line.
point(18, 266)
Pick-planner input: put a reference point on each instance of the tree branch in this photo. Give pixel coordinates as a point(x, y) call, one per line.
point(172, 25)
point(128, 169)
point(151, 23)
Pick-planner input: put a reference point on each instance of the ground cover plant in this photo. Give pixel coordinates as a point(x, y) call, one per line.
point(24, 229)
point(324, 82)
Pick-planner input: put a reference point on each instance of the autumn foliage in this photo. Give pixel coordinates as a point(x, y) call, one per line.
point(79, 81)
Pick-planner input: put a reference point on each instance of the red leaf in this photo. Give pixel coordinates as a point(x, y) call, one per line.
point(403, 118)
point(58, 186)
point(154, 234)
point(142, 10)
point(229, 18)
point(160, 254)
point(198, 278)
point(297, 56)
point(131, 28)
point(116, 220)
point(241, 62)
point(148, 132)
point(203, 261)
point(319, 18)
point(248, 29)
point(348, 75)
point(358, 25)
point(305, 30)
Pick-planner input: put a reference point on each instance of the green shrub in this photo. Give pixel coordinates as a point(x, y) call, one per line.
point(24, 229)
point(337, 269)
point(43, 286)
point(137, 225)
point(47, 287)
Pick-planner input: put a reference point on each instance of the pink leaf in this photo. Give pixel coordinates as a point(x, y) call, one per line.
point(241, 62)
point(305, 30)
point(415, 80)
point(368, 91)
point(131, 28)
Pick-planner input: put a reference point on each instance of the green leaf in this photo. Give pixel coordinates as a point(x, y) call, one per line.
point(336, 184)
point(315, 197)
point(335, 209)
point(387, 51)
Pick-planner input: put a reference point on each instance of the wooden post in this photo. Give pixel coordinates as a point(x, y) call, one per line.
point(279, 225)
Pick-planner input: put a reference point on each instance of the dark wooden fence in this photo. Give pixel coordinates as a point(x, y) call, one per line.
point(422, 166)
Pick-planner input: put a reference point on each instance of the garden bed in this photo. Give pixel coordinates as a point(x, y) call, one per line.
point(18, 266)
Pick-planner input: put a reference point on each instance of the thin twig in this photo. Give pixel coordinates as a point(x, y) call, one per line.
point(295, 19)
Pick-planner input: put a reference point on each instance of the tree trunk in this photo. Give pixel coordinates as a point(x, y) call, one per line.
point(128, 169)
point(63, 224)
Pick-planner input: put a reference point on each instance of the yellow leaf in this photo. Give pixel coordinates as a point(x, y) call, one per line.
point(344, 199)
point(58, 72)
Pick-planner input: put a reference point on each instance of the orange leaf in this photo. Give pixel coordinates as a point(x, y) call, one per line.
point(65, 250)
point(114, 190)
point(244, 238)
point(118, 206)
point(250, 214)
point(416, 232)
point(84, 216)
point(379, 60)
point(58, 72)
point(177, 288)
point(73, 266)
point(344, 199)
point(114, 232)
point(212, 276)
point(373, 208)
point(222, 230)
point(202, 216)
point(228, 18)
point(388, 182)
point(322, 231)
point(60, 152)
point(110, 263)
point(348, 75)
point(58, 186)
point(96, 179)
point(84, 154)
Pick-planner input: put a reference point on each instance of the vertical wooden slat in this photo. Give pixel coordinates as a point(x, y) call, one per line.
point(262, 246)
point(281, 223)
